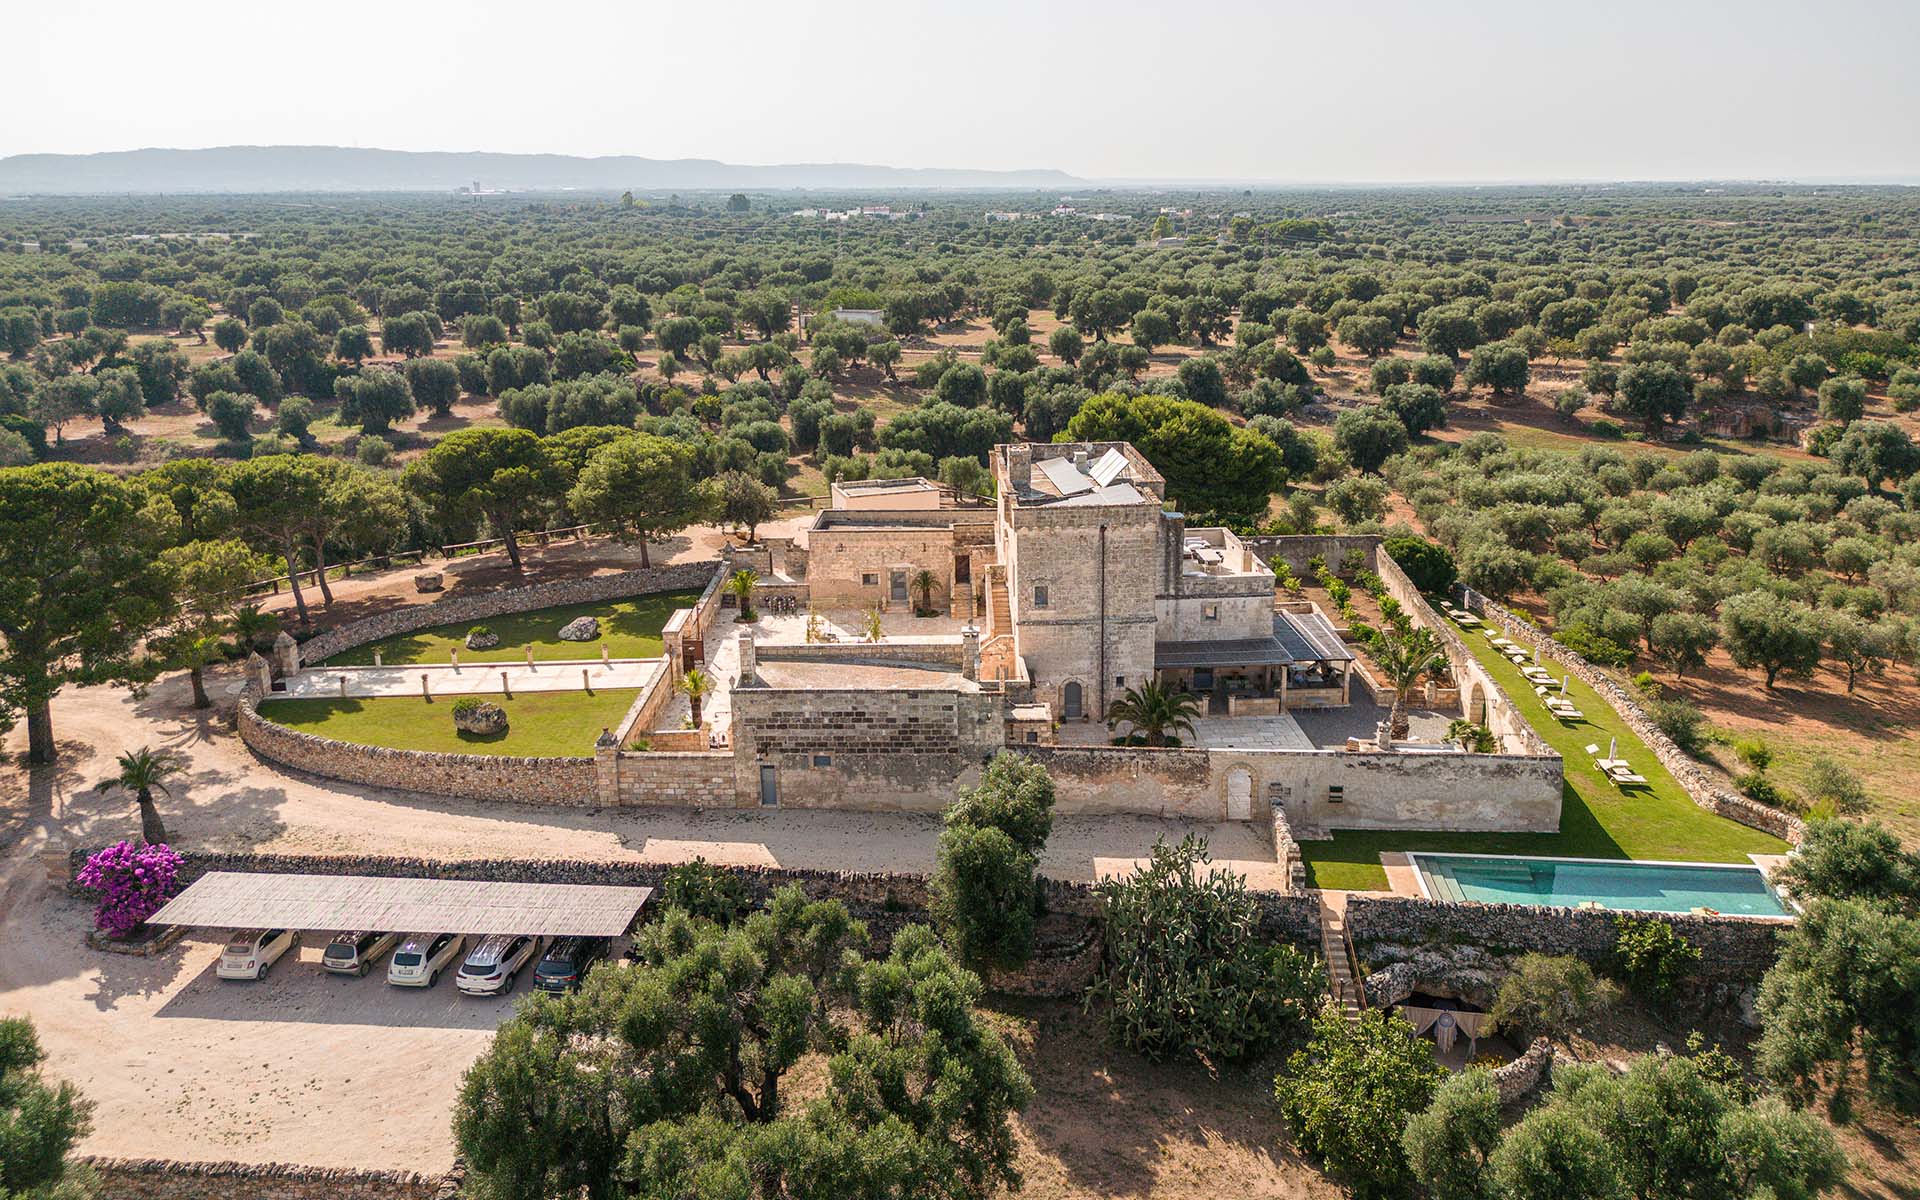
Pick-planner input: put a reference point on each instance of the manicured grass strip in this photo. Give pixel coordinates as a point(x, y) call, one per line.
point(1597, 819)
point(539, 724)
point(628, 629)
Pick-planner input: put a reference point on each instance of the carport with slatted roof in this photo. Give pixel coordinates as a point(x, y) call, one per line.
point(250, 900)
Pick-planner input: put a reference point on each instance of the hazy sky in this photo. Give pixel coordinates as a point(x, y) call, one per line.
point(1394, 90)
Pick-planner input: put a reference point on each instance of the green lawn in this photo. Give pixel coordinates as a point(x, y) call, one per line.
point(539, 724)
point(1597, 819)
point(628, 629)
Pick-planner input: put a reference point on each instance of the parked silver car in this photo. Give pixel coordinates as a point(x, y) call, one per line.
point(495, 963)
point(355, 953)
point(422, 956)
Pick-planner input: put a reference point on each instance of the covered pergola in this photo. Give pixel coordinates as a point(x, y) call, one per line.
point(1303, 644)
point(252, 900)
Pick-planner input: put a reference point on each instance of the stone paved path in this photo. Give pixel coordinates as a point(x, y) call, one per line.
point(324, 683)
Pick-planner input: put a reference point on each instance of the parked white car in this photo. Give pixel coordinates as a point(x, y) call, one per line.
point(495, 963)
point(251, 953)
point(422, 956)
point(355, 953)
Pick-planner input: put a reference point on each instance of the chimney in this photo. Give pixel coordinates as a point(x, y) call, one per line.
point(1020, 466)
point(749, 663)
point(1080, 459)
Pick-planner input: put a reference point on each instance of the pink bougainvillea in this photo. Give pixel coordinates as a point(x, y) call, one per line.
point(133, 882)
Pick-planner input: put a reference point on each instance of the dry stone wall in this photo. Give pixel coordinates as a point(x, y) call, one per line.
point(456, 610)
point(667, 778)
point(1691, 776)
point(164, 1179)
point(1735, 951)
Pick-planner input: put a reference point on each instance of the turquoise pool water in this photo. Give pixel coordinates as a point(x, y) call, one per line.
point(1629, 886)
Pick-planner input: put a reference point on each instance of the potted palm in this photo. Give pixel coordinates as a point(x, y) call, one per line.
point(741, 584)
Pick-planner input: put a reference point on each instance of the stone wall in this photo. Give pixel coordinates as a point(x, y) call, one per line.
point(456, 610)
point(469, 776)
point(873, 749)
point(1523, 1076)
point(839, 558)
point(1118, 779)
point(1481, 696)
point(1735, 951)
point(668, 777)
point(1693, 778)
point(163, 1179)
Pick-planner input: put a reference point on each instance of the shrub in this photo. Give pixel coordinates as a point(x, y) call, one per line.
point(1427, 564)
point(985, 885)
point(1550, 995)
point(1651, 956)
point(1188, 971)
point(465, 705)
point(1347, 1097)
point(1756, 786)
point(1754, 752)
point(705, 890)
point(1832, 788)
point(133, 882)
point(1682, 723)
point(1647, 685)
point(374, 451)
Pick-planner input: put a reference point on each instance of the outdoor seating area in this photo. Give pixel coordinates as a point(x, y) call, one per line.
point(1619, 770)
point(1459, 616)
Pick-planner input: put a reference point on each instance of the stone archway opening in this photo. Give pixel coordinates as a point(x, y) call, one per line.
point(1072, 706)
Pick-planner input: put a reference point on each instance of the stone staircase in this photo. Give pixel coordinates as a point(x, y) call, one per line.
point(1345, 989)
point(999, 608)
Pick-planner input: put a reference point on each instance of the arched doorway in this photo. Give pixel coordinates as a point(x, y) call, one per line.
point(1070, 704)
point(1239, 794)
point(1475, 705)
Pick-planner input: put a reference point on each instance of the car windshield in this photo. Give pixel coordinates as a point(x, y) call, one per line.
point(554, 966)
point(237, 947)
point(406, 959)
point(339, 951)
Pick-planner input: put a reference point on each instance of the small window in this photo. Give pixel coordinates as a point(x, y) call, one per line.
point(823, 760)
point(1336, 793)
point(869, 579)
point(1039, 595)
point(1033, 737)
point(1119, 681)
point(1209, 612)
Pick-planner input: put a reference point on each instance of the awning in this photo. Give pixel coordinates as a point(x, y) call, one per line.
point(1234, 652)
point(247, 900)
point(1310, 637)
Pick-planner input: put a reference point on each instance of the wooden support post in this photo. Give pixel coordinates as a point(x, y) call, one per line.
point(606, 657)
point(585, 686)
point(504, 689)
point(376, 659)
point(425, 692)
point(455, 656)
point(343, 687)
point(529, 656)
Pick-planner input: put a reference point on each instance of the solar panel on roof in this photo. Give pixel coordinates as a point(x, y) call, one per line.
point(1065, 476)
point(1108, 468)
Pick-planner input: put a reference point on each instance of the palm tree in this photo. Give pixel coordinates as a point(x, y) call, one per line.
point(876, 625)
point(695, 684)
point(144, 772)
point(741, 585)
point(1404, 658)
point(1473, 737)
point(924, 581)
point(1153, 710)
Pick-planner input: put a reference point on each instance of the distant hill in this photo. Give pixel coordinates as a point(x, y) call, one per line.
point(341, 169)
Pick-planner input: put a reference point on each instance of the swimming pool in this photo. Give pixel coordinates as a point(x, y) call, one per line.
point(1735, 889)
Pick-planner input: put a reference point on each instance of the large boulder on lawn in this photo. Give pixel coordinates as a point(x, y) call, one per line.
point(428, 581)
point(482, 639)
point(580, 629)
point(483, 719)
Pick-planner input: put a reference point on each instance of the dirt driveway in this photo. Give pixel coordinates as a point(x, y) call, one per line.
point(306, 1067)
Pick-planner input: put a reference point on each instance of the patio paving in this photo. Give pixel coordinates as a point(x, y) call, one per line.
point(323, 683)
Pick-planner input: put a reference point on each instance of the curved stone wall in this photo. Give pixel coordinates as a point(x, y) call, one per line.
point(568, 780)
point(468, 776)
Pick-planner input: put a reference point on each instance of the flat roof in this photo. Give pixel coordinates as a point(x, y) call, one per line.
point(1227, 652)
point(402, 904)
